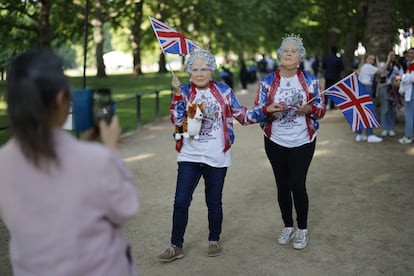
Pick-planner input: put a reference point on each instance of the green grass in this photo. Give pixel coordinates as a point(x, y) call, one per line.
point(123, 87)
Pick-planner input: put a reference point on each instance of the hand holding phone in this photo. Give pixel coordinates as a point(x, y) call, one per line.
point(103, 106)
point(110, 133)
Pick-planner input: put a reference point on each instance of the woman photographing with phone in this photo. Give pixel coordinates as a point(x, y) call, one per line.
point(63, 201)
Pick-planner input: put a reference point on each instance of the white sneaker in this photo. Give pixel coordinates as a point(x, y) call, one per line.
point(360, 137)
point(301, 239)
point(391, 133)
point(384, 133)
point(287, 234)
point(405, 140)
point(374, 139)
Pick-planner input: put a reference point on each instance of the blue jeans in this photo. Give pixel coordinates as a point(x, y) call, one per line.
point(189, 174)
point(388, 112)
point(370, 92)
point(409, 117)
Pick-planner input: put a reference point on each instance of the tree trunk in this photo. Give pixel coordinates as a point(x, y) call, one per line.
point(98, 38)
point(353, 38)
point(44, 25)
point(136, 37)
point(163, 12)
point(379, 32)
point(162, 64)
point(183, 64)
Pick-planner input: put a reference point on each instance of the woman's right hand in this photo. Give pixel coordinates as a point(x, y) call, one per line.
point(176, 85)
point(111, 133)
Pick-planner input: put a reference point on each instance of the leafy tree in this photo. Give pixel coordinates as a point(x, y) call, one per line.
point(127, 16)
point(98, 36)
point(34, 24)
point(136, 35)
point(23, 25)
point(244, 27)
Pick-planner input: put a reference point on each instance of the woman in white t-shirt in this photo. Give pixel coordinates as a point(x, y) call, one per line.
point(366, 76)
point(209, 155)
point(290, 137)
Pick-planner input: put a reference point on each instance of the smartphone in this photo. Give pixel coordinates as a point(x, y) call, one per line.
point(103, 105)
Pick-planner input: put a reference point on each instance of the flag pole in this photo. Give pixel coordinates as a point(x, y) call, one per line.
point(165, 56)
point(169, 66)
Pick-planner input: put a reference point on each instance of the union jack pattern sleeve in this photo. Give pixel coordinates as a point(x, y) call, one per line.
point(177, 110)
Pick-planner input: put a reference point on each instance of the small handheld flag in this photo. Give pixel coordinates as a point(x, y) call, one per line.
point(354, 102)
point(170, 40)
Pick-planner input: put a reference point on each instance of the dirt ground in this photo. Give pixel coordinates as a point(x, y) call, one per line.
point(361, 218)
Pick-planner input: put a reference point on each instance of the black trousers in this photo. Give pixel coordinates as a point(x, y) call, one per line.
point(290, 168)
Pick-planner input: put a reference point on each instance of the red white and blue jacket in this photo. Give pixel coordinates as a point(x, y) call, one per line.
point(310, 84)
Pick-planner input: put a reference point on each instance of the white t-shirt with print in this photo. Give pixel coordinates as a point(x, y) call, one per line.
point(289, 129)
point(366, 73)
point(209, 148)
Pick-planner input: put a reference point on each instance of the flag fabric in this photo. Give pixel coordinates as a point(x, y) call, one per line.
point(354, 102)
point(170, 40)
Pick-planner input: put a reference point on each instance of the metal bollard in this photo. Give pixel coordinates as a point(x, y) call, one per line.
point(157, 105)
point(138, 111)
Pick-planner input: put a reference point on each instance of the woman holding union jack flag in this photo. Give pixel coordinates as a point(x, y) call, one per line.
point(290, 137)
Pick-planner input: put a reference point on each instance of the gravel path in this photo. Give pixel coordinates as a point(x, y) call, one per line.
point(361, 218)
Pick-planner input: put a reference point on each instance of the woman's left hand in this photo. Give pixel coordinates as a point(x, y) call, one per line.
point(306, 109)
point(274, 109)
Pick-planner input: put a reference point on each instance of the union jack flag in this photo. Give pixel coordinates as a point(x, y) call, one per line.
point(354, 102)
point(170, 40)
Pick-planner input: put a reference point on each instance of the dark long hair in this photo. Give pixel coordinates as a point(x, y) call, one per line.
point(33, 82)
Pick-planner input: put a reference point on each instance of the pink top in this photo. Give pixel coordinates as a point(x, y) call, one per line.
point(67, 221)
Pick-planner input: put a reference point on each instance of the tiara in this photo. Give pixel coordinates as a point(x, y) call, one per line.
point(292, 36)
point(202, 48)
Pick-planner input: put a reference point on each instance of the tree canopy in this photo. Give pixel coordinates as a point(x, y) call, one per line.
point(241, 27)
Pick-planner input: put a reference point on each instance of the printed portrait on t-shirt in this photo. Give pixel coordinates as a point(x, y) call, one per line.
point(292, 98)
point(212, 115)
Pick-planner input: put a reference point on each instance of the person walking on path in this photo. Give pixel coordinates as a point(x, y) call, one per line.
point(366, 76)
point(389, 95)
point(244, 77)
point(63, 201)
point(332, 66)
point(226, 75)
point(406, 89)
point(209, 156)
point(261, 66)
point(290, 138)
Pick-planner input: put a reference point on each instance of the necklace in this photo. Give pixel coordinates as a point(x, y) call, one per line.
point(288, 80)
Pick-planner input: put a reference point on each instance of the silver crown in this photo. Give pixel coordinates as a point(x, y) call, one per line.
point(293, 36)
